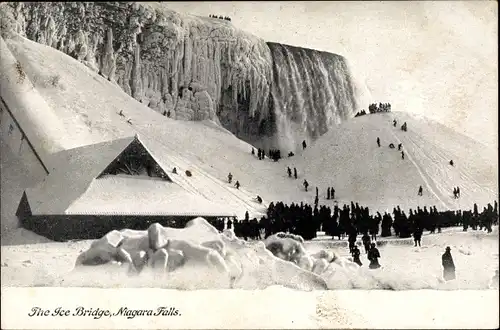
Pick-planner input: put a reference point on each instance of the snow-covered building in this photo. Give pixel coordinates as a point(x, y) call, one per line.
point(111, 185)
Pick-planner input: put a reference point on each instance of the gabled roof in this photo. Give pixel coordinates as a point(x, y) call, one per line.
point(76, 168)
point(80, 184)
point(128, 195)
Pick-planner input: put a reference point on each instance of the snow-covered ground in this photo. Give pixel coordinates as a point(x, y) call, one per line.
point(346, 158)
point(401, 294)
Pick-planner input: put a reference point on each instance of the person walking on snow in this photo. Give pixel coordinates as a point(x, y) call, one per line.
point(328, 193)
point(394, 122)
point(420, 191)
point(402, 154)
point(451, 162)
point(399, 146)
point(306, 184)
point(355, 256)
point(366, 242)
point(373, 256)
point(289, 170)
point(378, 141)
point(332, 193)
point(237, 184)
point(304, 145)
point(458, 192)
point(230, 177)
point(295, 173)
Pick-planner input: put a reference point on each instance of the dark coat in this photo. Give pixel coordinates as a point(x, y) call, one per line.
point(355, 256)
point(373, 256)
point(448, 266)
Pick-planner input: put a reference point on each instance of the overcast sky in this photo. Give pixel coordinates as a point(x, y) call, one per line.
point(438, 59)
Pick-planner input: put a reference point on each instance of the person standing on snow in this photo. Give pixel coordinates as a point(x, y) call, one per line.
point(289, 170)
point(417, 236)
point(295, 173)
point(448, 265)
point(378, 141)
point(306, 184)
point(230, 177)
point(373, 256)
point(420, 190)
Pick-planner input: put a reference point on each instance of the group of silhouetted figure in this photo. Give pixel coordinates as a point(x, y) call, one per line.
point(373, 254)
point(289, 172)
point(230, 180)
point(404, 127)
point(360, 113)
point(391, 146)
point(374, 108)
point(382, 107)
point(353, 220)
point(274, 154)
point(226, 18)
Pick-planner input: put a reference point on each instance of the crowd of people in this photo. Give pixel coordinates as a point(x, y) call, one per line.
point(381, 107)
point(226, 18)
point(353, 220)
point(374, 108)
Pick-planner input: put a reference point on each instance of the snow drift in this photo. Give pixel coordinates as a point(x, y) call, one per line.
point(197, 68)
point(167, 257)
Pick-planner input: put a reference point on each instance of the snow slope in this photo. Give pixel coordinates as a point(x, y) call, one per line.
point(350, 160)
point(346, 158)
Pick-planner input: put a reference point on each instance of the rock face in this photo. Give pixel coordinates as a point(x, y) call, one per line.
point(196, 68)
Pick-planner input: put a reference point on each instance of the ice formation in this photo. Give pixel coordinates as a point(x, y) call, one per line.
point(220, 260)
point(197, 68)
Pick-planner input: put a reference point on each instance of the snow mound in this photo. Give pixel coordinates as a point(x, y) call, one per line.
point(194, 257)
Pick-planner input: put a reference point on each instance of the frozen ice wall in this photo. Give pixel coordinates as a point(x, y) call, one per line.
point(311, 91)
point(197, 68)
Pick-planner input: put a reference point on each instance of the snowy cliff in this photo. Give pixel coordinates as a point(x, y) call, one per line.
point(196, 68)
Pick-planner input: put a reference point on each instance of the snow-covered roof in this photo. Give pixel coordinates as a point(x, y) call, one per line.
point(135, 196)
point(73, 187)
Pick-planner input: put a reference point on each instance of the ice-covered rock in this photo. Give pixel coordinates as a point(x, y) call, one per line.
point(215, 259)
point(196, 68)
